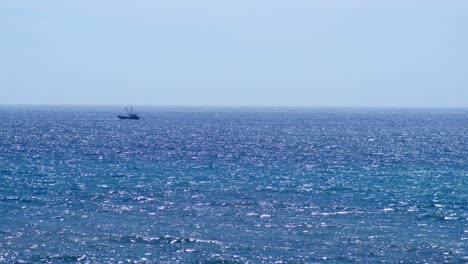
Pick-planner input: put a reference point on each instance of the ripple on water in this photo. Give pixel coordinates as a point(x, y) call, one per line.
point(233, 186)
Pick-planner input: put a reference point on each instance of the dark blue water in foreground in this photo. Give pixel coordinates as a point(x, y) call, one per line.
point(233, 186)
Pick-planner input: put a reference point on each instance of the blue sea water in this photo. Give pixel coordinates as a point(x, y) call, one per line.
point(213, 185)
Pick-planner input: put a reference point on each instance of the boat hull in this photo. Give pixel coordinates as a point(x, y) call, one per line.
point(128, 117)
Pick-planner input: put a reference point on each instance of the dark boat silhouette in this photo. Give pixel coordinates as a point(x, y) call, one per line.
point(130, 115)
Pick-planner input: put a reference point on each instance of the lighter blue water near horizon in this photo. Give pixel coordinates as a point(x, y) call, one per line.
point(213, 185)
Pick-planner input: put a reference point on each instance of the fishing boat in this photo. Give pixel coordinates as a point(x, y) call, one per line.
point(130, 115)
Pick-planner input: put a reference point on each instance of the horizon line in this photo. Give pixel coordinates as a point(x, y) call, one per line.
point(237, 106)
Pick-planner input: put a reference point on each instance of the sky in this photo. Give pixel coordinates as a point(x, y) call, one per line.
point(305, 53)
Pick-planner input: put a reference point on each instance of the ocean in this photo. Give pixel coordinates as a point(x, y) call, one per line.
point(233, 185)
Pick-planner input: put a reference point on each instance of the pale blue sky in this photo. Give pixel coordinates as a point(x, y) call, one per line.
point(362, 53)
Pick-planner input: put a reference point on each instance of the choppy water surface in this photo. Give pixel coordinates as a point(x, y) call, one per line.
point(233, 186)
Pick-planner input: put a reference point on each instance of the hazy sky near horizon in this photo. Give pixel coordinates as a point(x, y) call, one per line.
point(361, 53)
